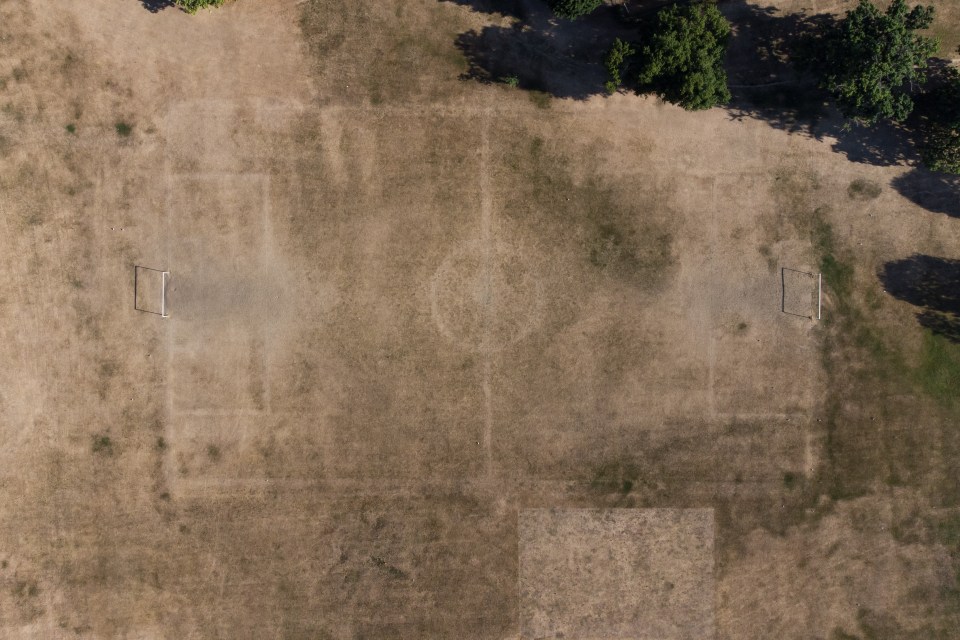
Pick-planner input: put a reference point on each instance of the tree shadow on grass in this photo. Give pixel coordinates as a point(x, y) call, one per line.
point(942, 324)
point(936, 192)
point(563, 58)
point(156, 6)
point(766, 85)
point(533, 58)
point(931, 283)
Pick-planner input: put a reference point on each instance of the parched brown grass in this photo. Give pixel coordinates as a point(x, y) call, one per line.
point(408, 310)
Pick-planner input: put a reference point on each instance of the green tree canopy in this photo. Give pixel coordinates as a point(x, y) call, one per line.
point(614, 62)
point(192, 6)
point(683, 58)
point(871, 59)
point(940, 127)
point(573, 9)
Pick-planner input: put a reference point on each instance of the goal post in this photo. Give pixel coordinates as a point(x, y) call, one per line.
point(819, 293)
point(163, 295)
point(150, 290)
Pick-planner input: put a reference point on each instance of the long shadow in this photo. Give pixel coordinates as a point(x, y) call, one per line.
point(156, 6)
point(534, 59)
point(561, 57)
point(766, 85)
point(930, 283)
point(506, 8)
point(937, 192)
point(760, 67)
point(564, 58)
point(943, 324)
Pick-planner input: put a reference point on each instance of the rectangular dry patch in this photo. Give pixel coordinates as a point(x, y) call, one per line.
point(638, 574)
point(222, 452)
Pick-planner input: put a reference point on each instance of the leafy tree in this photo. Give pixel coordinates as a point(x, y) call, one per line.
point(871, 60)
point(940, 126)
point(192, 6)
point(614, 61)
point(573, 9)
point(683, 61)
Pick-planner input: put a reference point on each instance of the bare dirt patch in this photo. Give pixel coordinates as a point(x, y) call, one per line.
point(622, 573)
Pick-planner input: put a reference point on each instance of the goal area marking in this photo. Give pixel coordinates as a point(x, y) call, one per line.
point(143, 277)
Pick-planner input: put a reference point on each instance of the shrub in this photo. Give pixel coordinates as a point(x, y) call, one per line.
point(614, 62)
point(573, 9)
point(940, 126)
point(192, 6)
point(683, 61)
point(871, 60)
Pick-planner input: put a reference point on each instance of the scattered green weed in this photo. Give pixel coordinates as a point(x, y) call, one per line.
point(394, 572)
point(15, 112)
point(610, 235)
point(938, 373)
point(541, 99)
point(25, 589)
point(840, 634)
point(619, 476)
point(862, 189)
point(791, 480)
point(102, 444)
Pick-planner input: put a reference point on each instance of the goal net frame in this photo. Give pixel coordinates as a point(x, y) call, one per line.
point(783, 291)
point(164, 277)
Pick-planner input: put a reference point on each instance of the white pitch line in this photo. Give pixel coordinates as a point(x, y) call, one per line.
point(486, 240)
point(168, 462)
point(267, 258)
point(711, 377)
point(712, 314)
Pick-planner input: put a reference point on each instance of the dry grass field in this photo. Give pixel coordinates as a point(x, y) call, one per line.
point(447, 358)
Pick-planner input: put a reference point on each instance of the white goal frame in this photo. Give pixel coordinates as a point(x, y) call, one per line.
point(164, 276)
point(819, 292)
